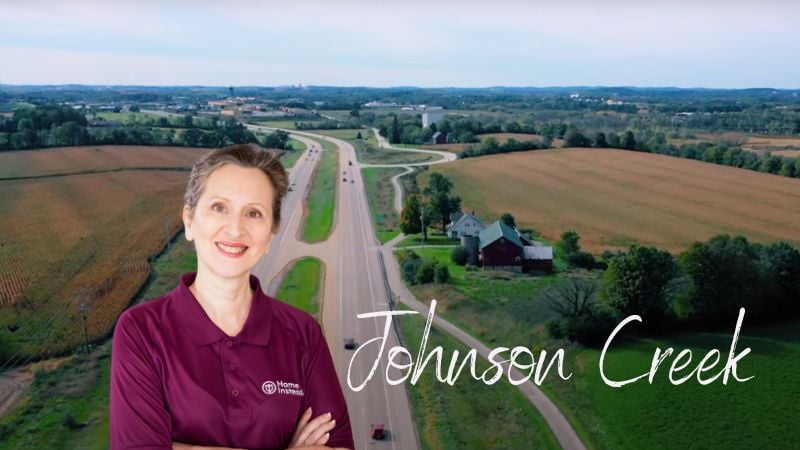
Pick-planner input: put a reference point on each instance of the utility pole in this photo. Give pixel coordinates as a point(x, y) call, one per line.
point(85, 308)
point(422, 225)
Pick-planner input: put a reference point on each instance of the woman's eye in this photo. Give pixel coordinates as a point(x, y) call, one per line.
point(217, 207)
point(255, 213)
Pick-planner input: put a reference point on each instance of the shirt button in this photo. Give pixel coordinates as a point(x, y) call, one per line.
point(235, 392)
point(228, 343)
point(232, 367)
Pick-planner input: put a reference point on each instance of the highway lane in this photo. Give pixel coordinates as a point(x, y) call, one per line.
point(353, 284)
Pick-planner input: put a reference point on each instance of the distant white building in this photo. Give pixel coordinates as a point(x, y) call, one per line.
point(430, 117)
point(377, 104)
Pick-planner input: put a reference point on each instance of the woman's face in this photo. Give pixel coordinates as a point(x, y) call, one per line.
point(232, 223)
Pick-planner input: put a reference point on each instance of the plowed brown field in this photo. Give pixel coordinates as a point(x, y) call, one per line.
point(614, 198)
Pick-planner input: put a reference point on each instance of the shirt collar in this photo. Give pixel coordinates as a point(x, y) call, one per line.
point(203, 331)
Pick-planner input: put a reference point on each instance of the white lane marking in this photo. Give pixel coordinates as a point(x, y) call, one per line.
point(360, 212)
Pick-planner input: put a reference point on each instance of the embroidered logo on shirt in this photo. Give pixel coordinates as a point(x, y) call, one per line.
point(282, 387)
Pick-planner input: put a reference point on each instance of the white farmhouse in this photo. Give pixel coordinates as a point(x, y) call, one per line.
point(464, 225)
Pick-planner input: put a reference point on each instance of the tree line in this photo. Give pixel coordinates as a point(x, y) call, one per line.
point(59, 126)
point(702, 288)
point(656, 142)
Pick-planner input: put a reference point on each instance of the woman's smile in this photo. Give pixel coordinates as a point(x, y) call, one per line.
point(232, 250)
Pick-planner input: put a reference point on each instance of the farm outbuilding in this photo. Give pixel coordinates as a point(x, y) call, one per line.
point(502, 248)
point(439, 138)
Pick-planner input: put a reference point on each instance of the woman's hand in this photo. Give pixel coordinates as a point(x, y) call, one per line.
point(314, 432)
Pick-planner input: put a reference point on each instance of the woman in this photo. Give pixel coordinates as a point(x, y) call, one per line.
point(216, 362)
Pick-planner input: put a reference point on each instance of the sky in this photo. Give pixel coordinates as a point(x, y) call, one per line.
point(713, 44)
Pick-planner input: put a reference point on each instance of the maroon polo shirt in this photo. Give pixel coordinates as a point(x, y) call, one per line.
point(175, 376)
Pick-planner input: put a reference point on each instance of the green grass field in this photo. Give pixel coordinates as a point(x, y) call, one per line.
point(761, 413)
point(468, 414)
point(380, 194)
point(505, 310)
point(433, 239)
point(290, 156)
point(318, 221)
point(301, 285)
point(285, 124)
point(297, 145)
point(372, 154)
point(351, 134)
point(127, 118)
point(78, 385)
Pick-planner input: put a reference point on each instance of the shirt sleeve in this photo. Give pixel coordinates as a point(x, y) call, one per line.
point(139, 418)
point(323, 391)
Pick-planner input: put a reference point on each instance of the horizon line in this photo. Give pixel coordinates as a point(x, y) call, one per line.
point(300, 85)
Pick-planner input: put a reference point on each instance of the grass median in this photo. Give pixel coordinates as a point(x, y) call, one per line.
point(302, 284)
point(380, 195)
point(318, 220)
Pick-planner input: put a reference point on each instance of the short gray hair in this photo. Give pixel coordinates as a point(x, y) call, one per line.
point(243, 155)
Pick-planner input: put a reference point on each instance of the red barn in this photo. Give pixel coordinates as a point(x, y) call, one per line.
point(500, 247)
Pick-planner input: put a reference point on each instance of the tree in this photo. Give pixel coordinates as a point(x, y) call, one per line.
point(446, 128)
point(600, 140)
point(409, 268)
point(629, 141)
point(770, 164)
point(787, 167)
point(571, 299)
point(724, 277)
point(569, 243)
point(441, 274)
point(513, 127)
point(459, 255)
point(580, 316)
point(358, 136)
point(426, 272)
point(574, 138)
point(277, 139)
point(394, 136)
point(410, 215)
point(780, 275)
point(188, 122)
point(25, 124)
point(191, 137)
point(638, 282)
point(440, 200)
point(508, 219)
